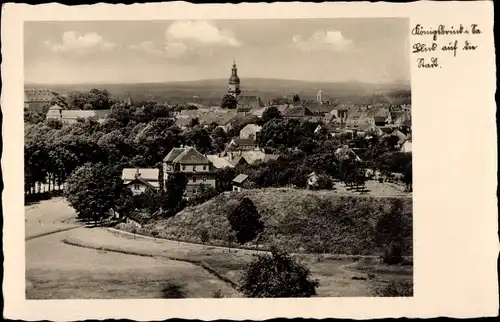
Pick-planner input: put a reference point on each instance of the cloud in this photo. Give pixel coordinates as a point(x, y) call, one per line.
point(169, 50)
point(184, 38)
point(322, 40)
point(82, 44)
point(201, 32)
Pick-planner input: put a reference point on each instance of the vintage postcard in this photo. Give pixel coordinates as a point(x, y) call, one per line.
point(249, 161)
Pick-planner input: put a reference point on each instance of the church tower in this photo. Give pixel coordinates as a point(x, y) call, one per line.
point(234, 82)
point(320, 97)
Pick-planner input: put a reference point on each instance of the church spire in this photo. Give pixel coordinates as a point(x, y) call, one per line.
point(234, 81)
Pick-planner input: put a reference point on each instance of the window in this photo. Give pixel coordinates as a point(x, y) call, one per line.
point(137, 187)
point(204, 179)
point(204, 167)
point(194, 178)
point(183, 167)
point(194, 191)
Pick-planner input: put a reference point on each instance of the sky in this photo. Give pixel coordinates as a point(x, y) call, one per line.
point(373, 50)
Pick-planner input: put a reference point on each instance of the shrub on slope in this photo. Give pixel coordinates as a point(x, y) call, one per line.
point(296, 220)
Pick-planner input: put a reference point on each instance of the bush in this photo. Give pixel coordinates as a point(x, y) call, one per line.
point(217, 294)
point(276, 276)
point(393, 254)
point(245, 221)
point(204, 236)
point(395, 289)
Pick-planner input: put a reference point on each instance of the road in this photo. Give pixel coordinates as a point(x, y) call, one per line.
point(55, 270)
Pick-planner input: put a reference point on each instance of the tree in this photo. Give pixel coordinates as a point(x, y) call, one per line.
point(408, 177)
point(99, 99)
point(225, 178)
point(296, 98)
point(194, 122)
point(391, 229)
point(229, 102)
point(199, 137)
point(324, 182)
point(277, 276)
point(245, 221)
point(175, 187)
point(271, 113)
point(204, 193)
point(204, 236)
point(55, 124)
point(220, 139)
point(93, 190)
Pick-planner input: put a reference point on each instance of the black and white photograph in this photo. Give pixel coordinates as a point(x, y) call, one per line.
point(249, 161)
point(256, 158)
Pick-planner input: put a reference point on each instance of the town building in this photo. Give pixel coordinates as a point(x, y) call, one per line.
point(239, 144)
point(195, 166)
point(301, 113)
point(242, 182)
point(36, 98)
point(56, 112)
point(231, 159)
point(139, 180)
point(250, 131)
point(222, 119)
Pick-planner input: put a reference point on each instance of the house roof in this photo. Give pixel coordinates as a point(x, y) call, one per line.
point(396, 114)
point(258, 112)
point(189, 155)
point(283, 108)
point(331, 127)
point(386, 129)
point(320, 108)
point(251, 102)
point(74, 114)
point(298, 111)
point(380, 112)
point(328, 118)
point(253, 128)
point(183, 121)
point(151, 184)
point(148, 174)
point(174, 153)
point(38, 95)
point(240, 141)
point(269, 157)
point(55, 107)
point(240, 178)
point(253, 156)
point(220, 118)
point(380, 118)
point(345, 152)
point(237, 160)
point(404, 117)
point(219, 162)
point(401, 137)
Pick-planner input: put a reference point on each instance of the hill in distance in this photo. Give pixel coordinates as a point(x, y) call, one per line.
point(213, 89)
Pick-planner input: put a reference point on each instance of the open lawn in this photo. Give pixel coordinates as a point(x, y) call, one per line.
point(335, 273)
point(55, 270)
point(48, 216)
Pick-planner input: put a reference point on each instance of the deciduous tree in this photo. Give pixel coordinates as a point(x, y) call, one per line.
point(277, 276)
